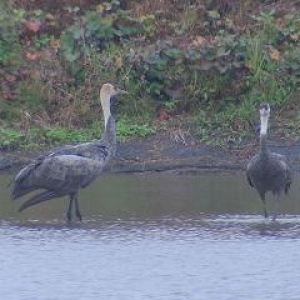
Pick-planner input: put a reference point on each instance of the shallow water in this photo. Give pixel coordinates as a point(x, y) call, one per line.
point(152, 237)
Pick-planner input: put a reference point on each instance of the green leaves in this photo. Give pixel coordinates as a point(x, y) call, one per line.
point(97, 27)
point(126, 129)
point(173, 53)
point(214, 14)
point(11, 139)
point(10, 21)
point(95, 30)
point(59, 135)
point(67, 45)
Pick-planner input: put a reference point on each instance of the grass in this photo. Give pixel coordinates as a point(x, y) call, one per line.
point(11, 139)
point(37, 138)
point(268, 80)
point(127, 129)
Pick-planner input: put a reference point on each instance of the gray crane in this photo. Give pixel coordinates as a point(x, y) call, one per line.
point(268, 171)
point(66, 170)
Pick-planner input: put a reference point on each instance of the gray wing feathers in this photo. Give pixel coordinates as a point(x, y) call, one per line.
point(97, 150)
point(285, 169)
point(60, 173)
point(249, 179)
point(67, 172)
point(251, 165)
point(20, 187)
point(44, 196)
point(270, 173)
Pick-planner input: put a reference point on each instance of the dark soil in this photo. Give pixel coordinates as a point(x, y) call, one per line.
point(163, 153)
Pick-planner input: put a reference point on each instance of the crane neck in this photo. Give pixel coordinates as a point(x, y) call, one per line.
point(105, 103)
point(263, 144)
point(264, 121)
point(110, 134)
point(263, 133)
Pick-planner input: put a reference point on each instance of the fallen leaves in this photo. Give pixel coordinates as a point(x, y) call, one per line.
point(280, 22)
point(119, 62)
point(163, 115)
point(10, 78)
point(8, 95)
point(24, 72)
point(33, 26)
point(199, 41)
point(55, 43)
point(274, 54)
point(295, 37)
point(31, 55)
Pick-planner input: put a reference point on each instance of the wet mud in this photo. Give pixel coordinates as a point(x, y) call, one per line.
point(163, 153)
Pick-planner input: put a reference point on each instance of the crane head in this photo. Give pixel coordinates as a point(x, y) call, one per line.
point(264, 110)
point(106, 93)
point(108, 90)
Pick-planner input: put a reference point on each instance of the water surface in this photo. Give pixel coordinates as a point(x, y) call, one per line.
point(152, 237)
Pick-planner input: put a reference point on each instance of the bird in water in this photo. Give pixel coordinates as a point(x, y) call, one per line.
point(66, 170)
point(268, 171)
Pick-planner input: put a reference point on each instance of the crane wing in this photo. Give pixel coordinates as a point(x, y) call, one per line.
point(30, 177)
point(60, 173)
point(95, 150)
point(286, 169)
point(249, 180)
point(249, 169)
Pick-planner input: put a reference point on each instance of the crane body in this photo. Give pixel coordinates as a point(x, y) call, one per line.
point(66, 170)
point(268, 171)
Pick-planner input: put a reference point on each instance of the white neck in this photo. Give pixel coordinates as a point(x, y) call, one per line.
point(264, 125)
point(105, 102)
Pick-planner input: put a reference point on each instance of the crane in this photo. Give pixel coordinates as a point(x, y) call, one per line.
point(64, 171)
point(268, 171)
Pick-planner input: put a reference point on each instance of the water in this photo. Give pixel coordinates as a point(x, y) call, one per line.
point(152, 237)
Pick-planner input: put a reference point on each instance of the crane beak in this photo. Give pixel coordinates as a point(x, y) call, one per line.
point(115, 98)
point(120, 92)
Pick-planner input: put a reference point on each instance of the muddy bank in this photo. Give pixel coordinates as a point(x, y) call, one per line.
point(163, 153)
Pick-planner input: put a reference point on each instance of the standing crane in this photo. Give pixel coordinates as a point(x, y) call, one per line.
point(66, 170)
point(268, 171)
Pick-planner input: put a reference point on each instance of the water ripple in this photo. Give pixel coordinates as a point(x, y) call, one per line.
point(223, 227)
point(219, 257)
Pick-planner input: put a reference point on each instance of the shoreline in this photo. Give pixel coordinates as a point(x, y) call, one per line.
point(161, 153)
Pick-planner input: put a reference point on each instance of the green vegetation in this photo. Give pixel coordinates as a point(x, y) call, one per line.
point(125, 129)
point(213, 62)
point(11, 139)
point(10, 21)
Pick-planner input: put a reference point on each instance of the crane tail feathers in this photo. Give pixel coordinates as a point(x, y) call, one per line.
point(249, 180)
point(287, 188)
point(21, 184)
point(18, 192)
point(44, 196)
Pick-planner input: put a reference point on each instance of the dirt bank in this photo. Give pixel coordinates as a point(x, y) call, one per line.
point(164, 153)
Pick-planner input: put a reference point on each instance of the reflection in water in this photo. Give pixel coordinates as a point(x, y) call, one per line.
point(152, 237)
point(154, 196)
point(238, 227)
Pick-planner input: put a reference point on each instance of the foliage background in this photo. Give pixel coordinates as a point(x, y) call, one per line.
point(200, 66)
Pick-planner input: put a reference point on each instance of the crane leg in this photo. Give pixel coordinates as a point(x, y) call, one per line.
point(276, 207)
point(69, 210)
point(77, 209)
point(263, 200)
